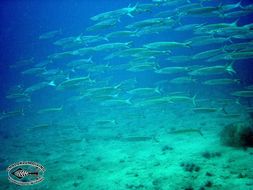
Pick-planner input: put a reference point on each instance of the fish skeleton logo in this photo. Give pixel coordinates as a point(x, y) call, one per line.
point(25, 173)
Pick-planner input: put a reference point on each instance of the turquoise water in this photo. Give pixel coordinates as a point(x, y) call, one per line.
point(153, 95)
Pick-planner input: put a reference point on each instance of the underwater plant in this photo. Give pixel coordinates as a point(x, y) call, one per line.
point(239, 134)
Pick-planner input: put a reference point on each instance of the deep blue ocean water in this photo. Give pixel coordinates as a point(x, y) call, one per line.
point(22, 22)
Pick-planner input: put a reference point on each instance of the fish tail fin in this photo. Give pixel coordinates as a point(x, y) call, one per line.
point(230, 69)
point(130, 15)
point(90, 60)
point(115, 95)
point(188, 44)
point(229, 39)
point(177, 18)
point(237, 101)
point(61, 107)
point(157, 90)
point(201, 3)
point(200, 132)
point(68, 77)
point(44, 68)
point(220, 7)
point(135, 6)
point(118, 85)
point(135, 33)
point(90, 80)
point(239, 4)
point(223, 49)
point(132, 9)
point(106, 39)
point(156, 68)
point(179, 15)
point(235, 23)
point(52, 83)
point(22, 111)
point(223, 110)
point(228, 57)
point(114, 122)
point(73, 70)
point(129, 44)
point(221, 14)
point(108, 66)
point(194, 80)
point(128, 101)
point(154, 138)
point(238, 81)
point(161, 89)
point(194, 100)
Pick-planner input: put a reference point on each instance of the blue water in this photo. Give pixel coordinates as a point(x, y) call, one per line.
point(81, 153)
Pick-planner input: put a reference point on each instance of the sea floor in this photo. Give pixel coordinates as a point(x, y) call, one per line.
point(108, 158)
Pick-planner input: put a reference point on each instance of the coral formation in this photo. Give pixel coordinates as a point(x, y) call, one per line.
point(209, 155)
point(190, 167)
